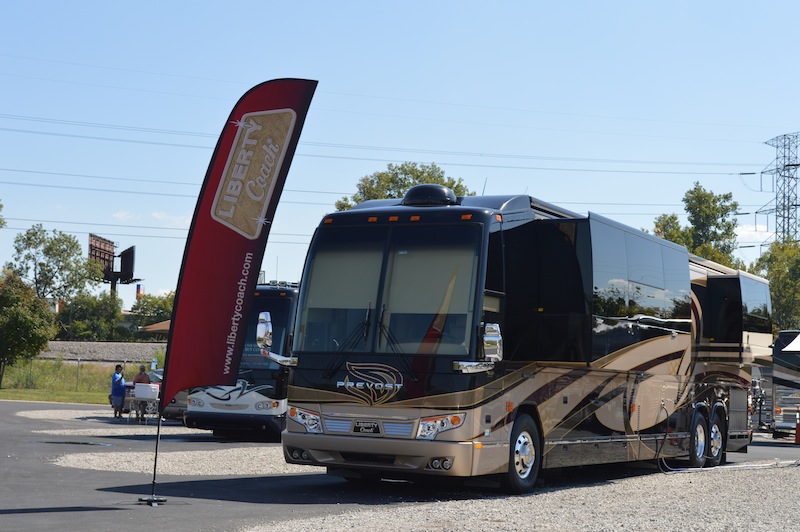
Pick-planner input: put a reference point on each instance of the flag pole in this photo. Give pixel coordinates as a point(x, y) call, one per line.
point(154, 500)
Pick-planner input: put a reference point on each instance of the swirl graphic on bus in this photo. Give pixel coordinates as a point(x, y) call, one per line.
point(372, 384)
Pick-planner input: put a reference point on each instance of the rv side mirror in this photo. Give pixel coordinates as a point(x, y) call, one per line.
point(492, 342)
point(264, 331)
point(264, 341)
point(491, 351)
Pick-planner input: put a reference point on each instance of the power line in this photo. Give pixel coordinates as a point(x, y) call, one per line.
point(128, 235)
point(107, 139)
point(387, 98)
point(43, 185)
point(159, 181)
point(351, 146)
point(184, 229)
point(138, 192)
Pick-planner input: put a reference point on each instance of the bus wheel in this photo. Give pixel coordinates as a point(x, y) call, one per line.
point(525, 456)
point(698, 441)
point(716, 441)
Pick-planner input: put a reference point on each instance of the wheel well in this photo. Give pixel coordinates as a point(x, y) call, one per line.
point(703, 409)
point(532, 411)
point(720, 410)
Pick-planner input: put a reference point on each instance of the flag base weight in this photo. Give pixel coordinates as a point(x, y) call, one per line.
point(153, 500)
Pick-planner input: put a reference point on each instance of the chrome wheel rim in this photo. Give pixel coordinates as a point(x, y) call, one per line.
point(700, 441)
point(716, 440)
point(524, 455)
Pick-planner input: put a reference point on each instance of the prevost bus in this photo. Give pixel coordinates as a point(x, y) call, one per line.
point(258, 400)
point(492, 336)
point(785, 383)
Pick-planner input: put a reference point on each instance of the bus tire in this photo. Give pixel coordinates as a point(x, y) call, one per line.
point(698, 441)
point(716, 441)
point(525, 456)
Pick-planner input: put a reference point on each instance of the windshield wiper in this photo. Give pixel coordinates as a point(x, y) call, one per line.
point(385, 331)
point(360, 332)
point(394, 345)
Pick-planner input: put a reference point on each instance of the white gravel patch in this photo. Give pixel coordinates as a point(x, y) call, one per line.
point(259, 460)
point(66, 414)
point(250, 461)
point(134, 429)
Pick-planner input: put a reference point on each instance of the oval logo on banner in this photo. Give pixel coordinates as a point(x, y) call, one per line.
point(247, 181)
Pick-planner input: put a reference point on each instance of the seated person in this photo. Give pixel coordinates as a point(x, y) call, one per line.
point(141, 378)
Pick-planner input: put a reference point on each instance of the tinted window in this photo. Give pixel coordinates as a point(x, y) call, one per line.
point(641, 288)
point(677, 288)
point(610, 270)
point(722, 311)
point(400, 289)
point(342, 281)
point(645, 266)
point(429, 290)
point(756, 305)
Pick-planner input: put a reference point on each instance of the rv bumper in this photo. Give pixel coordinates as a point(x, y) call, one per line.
point(223, 422)
point(783, 426)
point(389, 456)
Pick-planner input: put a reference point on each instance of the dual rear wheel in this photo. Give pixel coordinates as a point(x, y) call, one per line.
point(707, 441)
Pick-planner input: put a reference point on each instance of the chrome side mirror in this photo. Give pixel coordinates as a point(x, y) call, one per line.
point(492, 352)
point(264, 331)
point(492, 343)
point(264, 340)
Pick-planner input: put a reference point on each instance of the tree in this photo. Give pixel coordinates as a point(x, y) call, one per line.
point(781, 265)
point(2, 220)
point(92, 318)
point(26, 323)
point(396, 180)
point(53, 263)
point(669, 228)
point(150, 309)
point(711, 232)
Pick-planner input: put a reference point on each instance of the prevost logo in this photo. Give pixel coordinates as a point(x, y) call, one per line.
point(371, 384)
point(248, 179)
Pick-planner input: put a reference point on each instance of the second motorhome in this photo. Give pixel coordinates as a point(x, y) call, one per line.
point(257, 402)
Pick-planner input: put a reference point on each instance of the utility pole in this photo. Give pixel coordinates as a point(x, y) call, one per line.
point(784, 168)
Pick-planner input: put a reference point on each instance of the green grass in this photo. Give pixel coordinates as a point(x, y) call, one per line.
point(92, 398)
point(57, 381)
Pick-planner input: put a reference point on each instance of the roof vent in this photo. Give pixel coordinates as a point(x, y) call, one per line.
point(429, 195)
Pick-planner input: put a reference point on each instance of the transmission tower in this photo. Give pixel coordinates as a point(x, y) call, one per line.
point(784, 168)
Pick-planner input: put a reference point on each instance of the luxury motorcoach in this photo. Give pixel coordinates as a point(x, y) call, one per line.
point(493, 336)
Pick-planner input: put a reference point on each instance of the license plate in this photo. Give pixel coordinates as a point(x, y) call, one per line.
point(367, 427)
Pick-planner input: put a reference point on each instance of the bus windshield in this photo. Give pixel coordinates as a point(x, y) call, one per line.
point(400, 289)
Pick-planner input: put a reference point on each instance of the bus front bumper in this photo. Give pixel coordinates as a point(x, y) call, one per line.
point(390, 456)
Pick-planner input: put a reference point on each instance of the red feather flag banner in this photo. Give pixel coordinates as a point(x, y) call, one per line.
point(228, 235)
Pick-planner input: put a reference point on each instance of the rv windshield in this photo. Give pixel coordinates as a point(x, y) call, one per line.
point(401, 289)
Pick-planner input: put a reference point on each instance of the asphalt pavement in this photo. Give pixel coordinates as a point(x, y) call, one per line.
point(37, 494)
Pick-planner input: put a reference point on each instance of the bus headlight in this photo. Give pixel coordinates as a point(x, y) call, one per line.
point(429, 427)
point(310, 420)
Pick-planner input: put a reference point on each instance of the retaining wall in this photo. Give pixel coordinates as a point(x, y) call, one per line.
point(121, 352)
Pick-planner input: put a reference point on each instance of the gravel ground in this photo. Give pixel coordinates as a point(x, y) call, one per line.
point(756, 496)
point(720, 499)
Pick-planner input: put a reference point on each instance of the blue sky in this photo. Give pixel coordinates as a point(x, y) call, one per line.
point(110, 110)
